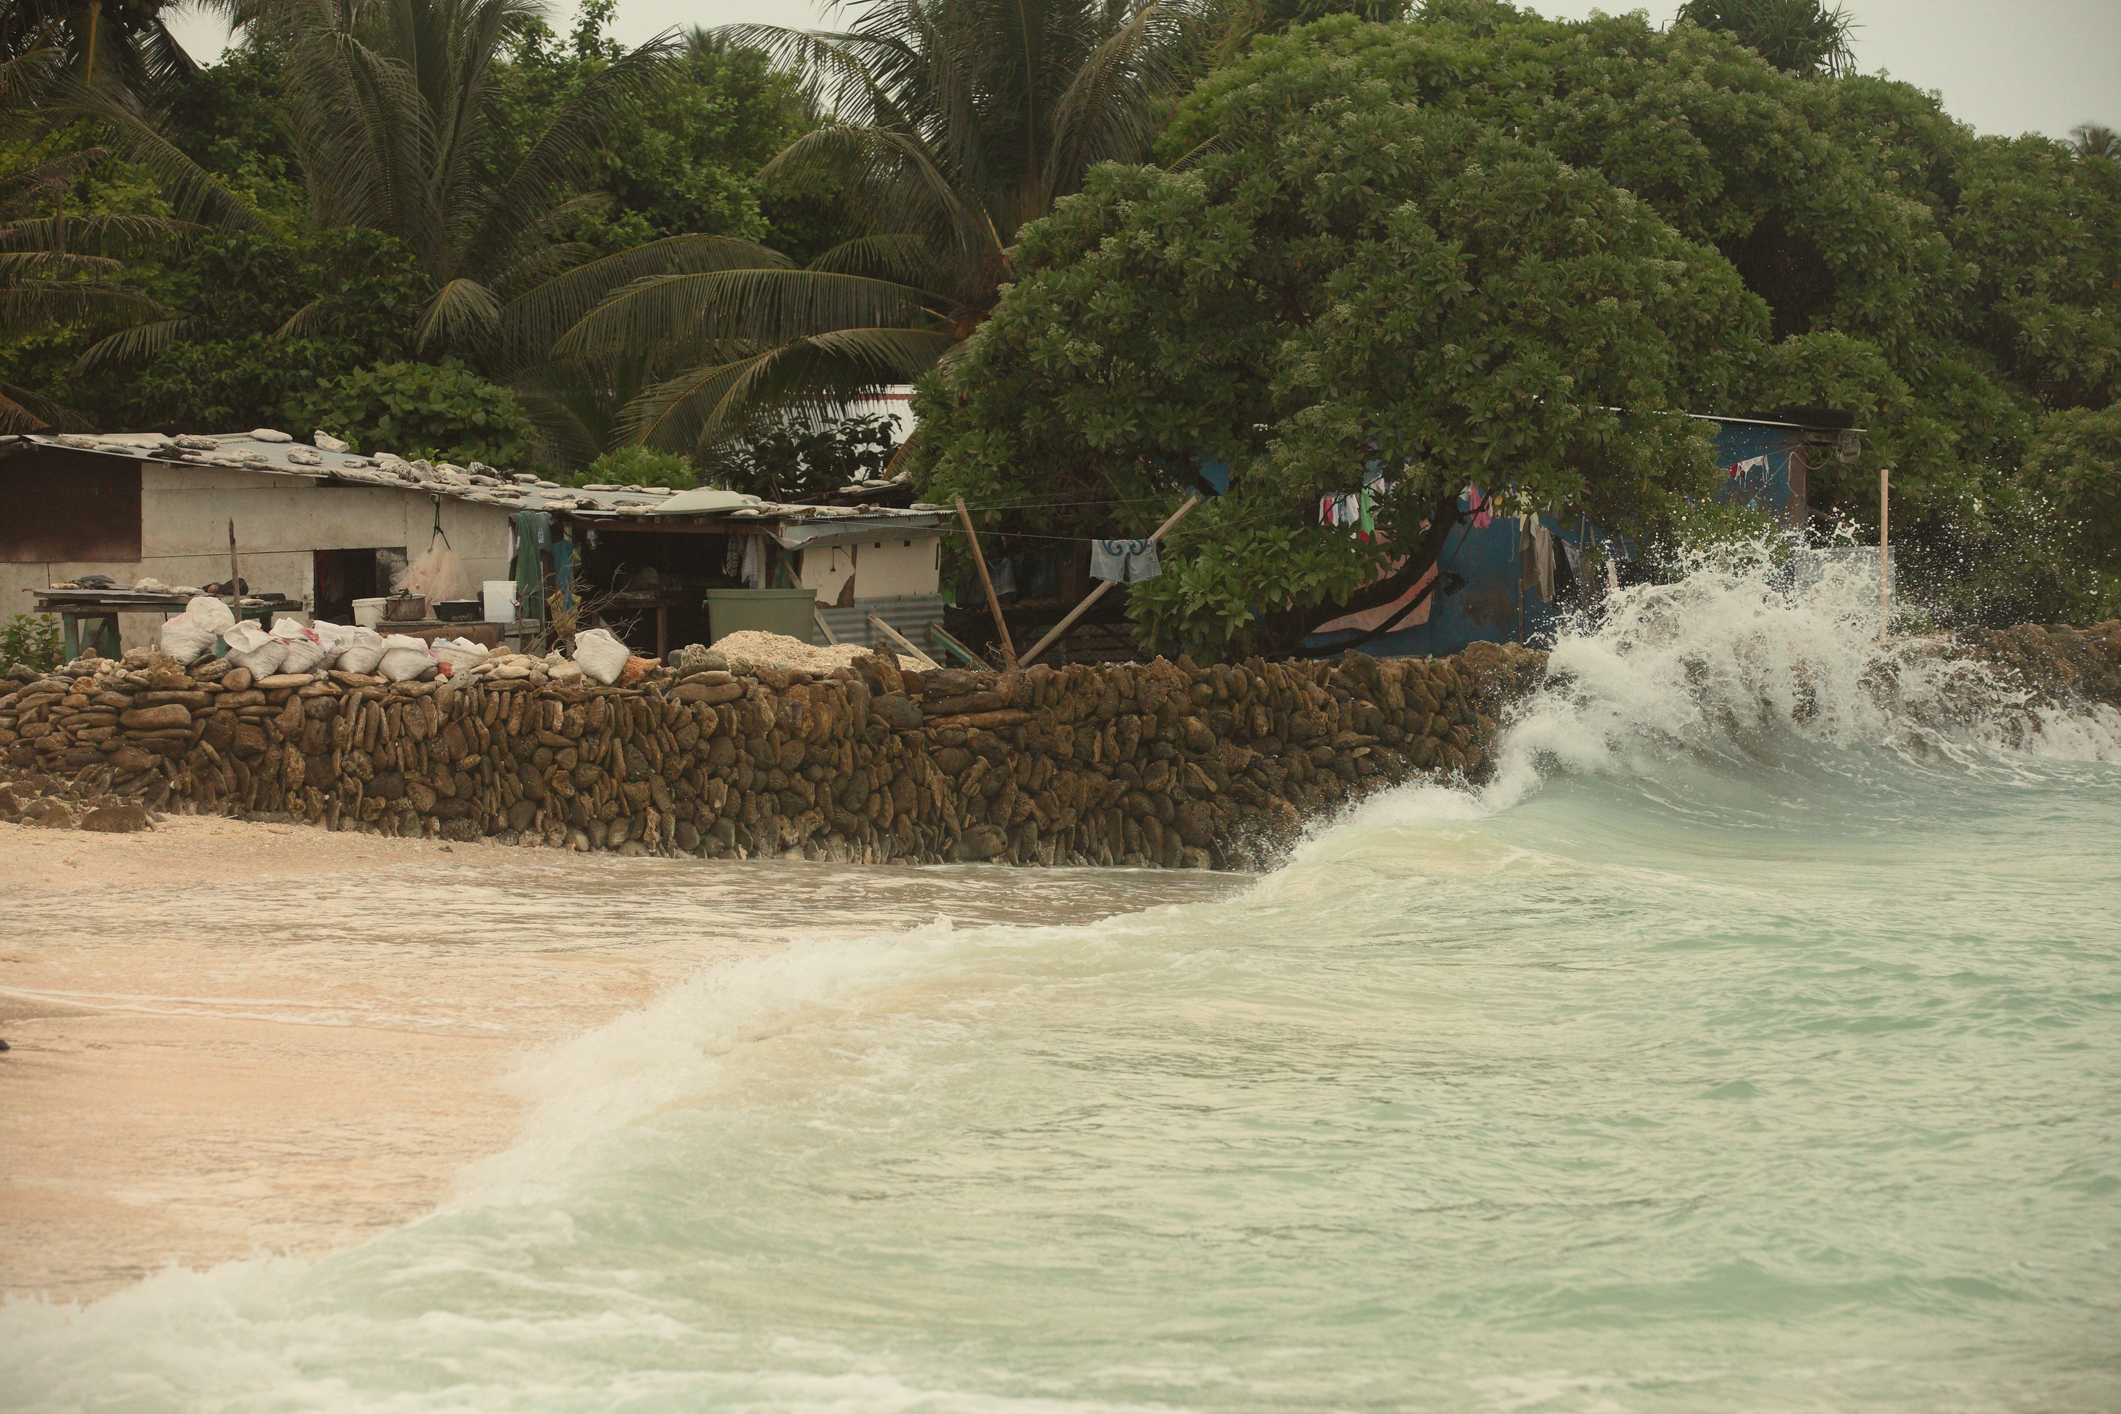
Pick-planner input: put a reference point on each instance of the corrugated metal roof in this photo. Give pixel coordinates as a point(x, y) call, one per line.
point(270, 453)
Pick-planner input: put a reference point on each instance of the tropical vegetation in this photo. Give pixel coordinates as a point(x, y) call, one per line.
point(1313, 280)
point(1112, 240)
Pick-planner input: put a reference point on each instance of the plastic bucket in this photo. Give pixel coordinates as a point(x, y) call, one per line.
point(500, 599)
point(783, 611)
point(367, 613)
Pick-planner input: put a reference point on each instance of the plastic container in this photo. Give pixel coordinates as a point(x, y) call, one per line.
point(787, 612)
point(500, 599)
point(457, 611)
point(367, 613)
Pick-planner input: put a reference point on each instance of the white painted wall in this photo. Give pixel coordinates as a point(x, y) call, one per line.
point(889, 567)
point(280, 520)
point(826, 568)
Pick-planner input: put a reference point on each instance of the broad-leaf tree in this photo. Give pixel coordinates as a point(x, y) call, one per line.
point(1352, 284)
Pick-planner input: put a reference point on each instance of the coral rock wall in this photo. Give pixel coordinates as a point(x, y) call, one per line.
point(1156, 764)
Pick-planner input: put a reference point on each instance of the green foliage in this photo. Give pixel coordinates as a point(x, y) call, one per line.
point(442, 412)
point(686, 160)
point(266, 322)
point(1955, 292)
point(799, 463)
point(230, 119)
point(1349, 281)
point(1796, 36)
point(32, 641)
point(640, 466)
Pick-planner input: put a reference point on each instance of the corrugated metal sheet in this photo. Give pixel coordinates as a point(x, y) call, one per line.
point(910, 614)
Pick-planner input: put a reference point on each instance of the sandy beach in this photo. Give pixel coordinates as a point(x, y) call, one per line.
point(231, 1038)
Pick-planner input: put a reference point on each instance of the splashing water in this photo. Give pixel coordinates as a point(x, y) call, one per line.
point(1752, 1041)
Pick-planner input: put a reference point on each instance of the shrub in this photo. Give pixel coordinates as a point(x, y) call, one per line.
point(31, 640)
point(443, 411)
point(640, 466)
point(798, 463)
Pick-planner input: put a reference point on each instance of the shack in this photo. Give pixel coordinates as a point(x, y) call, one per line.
point(1509, 578)
point(318, 526)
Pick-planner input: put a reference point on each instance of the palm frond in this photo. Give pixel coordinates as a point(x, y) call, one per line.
point(759, 307)
point(463, 312)
point(820, 374)
point(136, 344)
point(192, 190)
point(534, 320)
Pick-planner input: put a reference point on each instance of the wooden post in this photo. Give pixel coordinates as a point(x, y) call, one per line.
point(1098, 593)
point(817, 616)
point(235, 579)
point(1885, 564)
point(994, 605)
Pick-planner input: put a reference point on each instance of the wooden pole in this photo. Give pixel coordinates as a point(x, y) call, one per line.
point(1885, 564)
point(994, 605)
point(1098, 593)
point(235, 579)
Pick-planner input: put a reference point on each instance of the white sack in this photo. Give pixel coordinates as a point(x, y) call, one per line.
point(404, 658)
point(209, 612)
point(460, 653)
point(333, 638)
point(600, 655)
point(304, 652)
point(187, 640)
point(362, 651)
point(250, 646)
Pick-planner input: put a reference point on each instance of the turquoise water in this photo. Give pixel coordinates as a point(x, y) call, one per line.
point(1753, 1042)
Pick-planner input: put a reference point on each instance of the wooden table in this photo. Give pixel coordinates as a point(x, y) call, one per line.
point(88, 618)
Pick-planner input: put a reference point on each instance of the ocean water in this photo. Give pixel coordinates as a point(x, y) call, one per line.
point(1751, 1042)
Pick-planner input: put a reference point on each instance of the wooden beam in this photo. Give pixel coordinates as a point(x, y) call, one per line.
point(994, 605)
point(817, 616)
point(904, 642)
point(1098, 593)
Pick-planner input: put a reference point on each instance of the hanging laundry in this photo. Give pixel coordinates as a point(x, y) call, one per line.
point(1124, 561)
point(563, 569)
point(1536, 543)
point(1479, 505)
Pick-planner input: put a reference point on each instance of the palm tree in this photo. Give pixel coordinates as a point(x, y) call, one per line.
point(2096, 140)
point(53, 265)
point(951, 123)
point(120, 46)
point(389, 103)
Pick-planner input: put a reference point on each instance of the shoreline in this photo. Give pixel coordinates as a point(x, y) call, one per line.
point(231, 1039)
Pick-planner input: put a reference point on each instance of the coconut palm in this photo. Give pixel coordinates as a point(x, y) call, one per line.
point(949, 125)
point(2096, 140)
point(121, 46)
point(389, 106)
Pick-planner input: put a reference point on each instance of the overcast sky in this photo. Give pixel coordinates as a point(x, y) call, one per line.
point(2029, 66)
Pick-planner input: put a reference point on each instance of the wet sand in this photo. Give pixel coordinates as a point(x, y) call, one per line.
point(231, 1038)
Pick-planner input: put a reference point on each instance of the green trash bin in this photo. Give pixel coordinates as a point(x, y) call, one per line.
point(784, 611)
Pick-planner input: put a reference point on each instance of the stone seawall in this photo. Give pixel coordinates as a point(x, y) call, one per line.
point(1152, 764)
